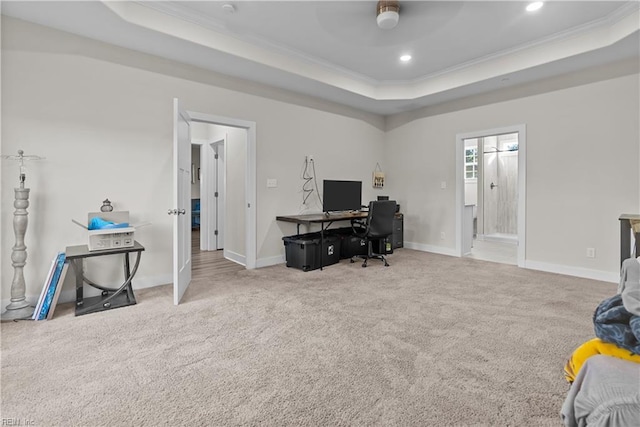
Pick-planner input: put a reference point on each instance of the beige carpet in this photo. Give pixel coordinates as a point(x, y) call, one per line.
point(430, 341)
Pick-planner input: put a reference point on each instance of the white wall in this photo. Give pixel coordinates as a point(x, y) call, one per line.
point(582, 171)
point(102, 116)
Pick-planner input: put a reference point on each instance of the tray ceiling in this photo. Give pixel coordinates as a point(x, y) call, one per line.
point(335, 51)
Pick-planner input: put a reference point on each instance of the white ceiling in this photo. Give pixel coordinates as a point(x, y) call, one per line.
point(334, 50)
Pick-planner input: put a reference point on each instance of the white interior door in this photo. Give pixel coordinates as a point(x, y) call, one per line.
point(182, 202)
point(220, 189)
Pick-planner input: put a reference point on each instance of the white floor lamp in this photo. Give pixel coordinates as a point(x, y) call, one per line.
point(19, 307)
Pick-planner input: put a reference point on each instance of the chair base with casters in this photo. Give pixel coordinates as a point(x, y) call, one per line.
point(371, 255)
point(377, 227)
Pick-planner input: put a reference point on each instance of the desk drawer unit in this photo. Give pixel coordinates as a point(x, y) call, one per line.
point(397, 239)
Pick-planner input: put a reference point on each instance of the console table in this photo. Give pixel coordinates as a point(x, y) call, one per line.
point(110, 297)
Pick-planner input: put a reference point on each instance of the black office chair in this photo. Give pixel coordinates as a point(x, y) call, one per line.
point(376, 227)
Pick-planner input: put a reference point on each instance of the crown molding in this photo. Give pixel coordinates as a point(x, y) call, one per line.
point(184, 23)
point(186, 13)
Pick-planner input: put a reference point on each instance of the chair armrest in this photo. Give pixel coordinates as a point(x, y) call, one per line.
point(359, 227)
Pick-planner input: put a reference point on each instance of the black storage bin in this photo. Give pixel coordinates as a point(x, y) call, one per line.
point(353, 246)
point(350, 245)
point(302, 251)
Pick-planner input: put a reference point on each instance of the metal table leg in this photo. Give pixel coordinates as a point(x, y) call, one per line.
point(109, 295)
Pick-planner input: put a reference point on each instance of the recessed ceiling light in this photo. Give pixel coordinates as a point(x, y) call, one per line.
point(532, 7)
point(405, 58)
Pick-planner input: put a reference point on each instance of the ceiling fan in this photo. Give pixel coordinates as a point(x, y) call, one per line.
point(387, 14)
point(357, 22)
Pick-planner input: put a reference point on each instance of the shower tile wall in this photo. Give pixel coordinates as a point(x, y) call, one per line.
point(500, 168)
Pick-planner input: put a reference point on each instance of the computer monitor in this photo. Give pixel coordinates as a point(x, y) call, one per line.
point(341, 195)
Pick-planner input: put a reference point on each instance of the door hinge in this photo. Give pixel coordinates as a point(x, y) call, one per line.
point(215, 194)
point(215, 232)
point(215, 157)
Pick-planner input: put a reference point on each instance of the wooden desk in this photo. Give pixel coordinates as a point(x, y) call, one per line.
point(321, 219)
point(625, 237)
point(110, 297)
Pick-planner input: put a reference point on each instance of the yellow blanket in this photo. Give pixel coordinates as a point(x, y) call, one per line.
point(591, 348)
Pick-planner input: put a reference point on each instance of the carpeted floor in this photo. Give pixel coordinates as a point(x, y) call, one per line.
point(430, 341)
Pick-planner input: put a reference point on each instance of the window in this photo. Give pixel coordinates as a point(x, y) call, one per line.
point(471, 163)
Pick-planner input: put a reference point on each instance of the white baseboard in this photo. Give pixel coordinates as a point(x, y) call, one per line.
point(585, 273)
point(431, 248)
point(268, 262)
point(235, 257)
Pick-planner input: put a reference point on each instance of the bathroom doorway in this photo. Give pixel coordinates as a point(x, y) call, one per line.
point(498, 188)
point(491, 184)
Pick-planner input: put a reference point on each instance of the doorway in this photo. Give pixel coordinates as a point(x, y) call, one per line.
point(196, 176)
point(239, 241)
point(223, 157)
point(208, 203)
point(491, 186)
point(207, 192)
point(183, 173)
point(497, 204)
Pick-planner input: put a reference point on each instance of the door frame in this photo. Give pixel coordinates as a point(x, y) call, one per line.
point(250, 178)
point(521, 130)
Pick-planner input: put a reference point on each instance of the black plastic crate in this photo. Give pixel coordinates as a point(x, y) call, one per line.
point(350, 244)
point(303, 251)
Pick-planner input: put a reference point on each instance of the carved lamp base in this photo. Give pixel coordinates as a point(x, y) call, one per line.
point(18, 313)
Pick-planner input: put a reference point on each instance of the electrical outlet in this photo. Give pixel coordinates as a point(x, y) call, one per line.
point(442, 235)
point(591, 252)
point(272, 183)
point(443, 185)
